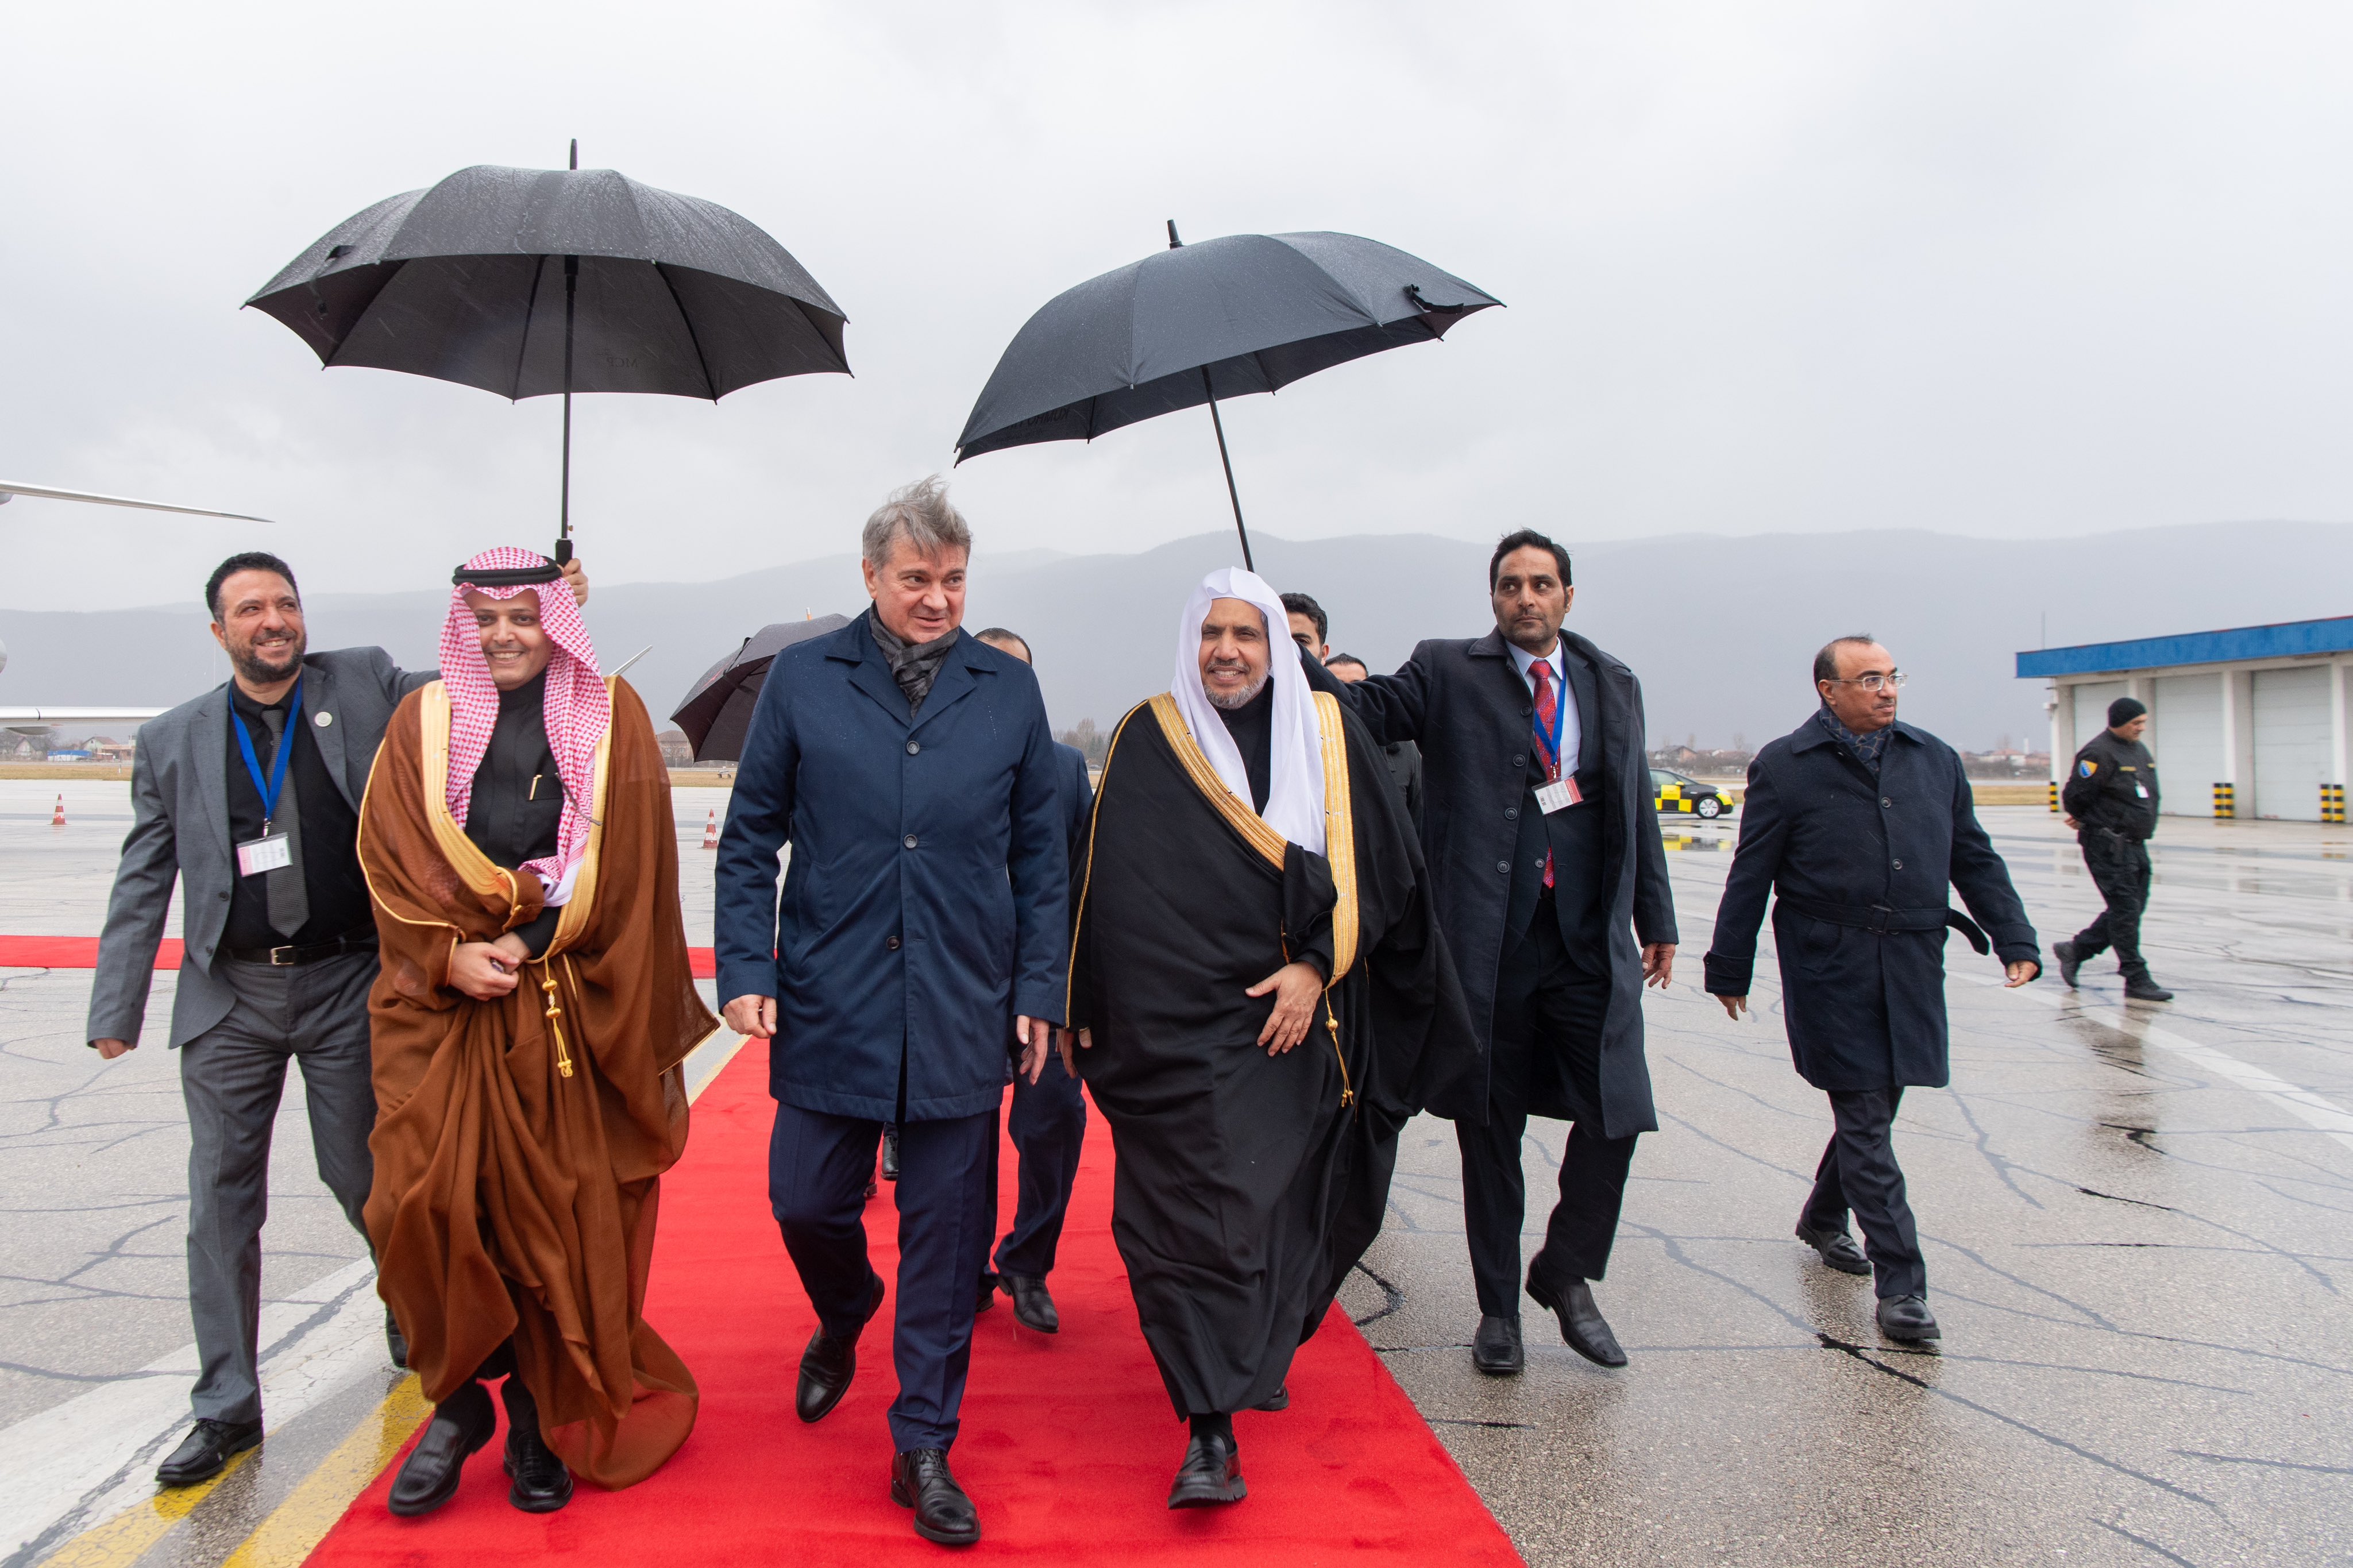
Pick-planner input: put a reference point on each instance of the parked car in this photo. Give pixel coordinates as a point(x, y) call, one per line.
point(1674, 793)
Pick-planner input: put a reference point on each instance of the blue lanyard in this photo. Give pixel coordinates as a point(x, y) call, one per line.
point(1551, 742)
point(268, 792)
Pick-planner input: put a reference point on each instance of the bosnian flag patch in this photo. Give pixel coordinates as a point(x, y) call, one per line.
point(2087, 769)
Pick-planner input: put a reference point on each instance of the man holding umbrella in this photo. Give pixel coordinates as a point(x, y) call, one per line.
point(281, 950)
point(924, 918)
point(1550, 870)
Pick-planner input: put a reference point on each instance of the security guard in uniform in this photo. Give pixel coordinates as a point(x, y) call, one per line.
point(2111, 802)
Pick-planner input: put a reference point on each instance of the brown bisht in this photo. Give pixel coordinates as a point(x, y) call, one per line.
point(1247, 1185)
point(519, 1143)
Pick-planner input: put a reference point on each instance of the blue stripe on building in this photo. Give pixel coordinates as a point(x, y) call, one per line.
point(2287, 639)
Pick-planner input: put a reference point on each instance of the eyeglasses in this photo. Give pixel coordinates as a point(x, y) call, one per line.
point(1892, 681)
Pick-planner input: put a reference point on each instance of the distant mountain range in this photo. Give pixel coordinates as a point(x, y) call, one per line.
point(1720, 629)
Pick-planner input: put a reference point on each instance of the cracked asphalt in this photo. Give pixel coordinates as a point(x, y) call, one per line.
point(2136, 1219)
point(2137, 1245)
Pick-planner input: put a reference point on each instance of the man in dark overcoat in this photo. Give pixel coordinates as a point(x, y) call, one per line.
point(924, 918)
point(1538, 828)
point(1858, 823)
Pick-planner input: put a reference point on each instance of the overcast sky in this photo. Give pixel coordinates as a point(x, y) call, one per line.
point(1991, 269)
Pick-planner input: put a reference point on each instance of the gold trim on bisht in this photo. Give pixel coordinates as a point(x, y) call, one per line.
point(476, 869)
point(1339, 832)
point(1339, 818)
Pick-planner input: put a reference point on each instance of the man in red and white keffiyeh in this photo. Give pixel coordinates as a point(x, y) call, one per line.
point(578, 706)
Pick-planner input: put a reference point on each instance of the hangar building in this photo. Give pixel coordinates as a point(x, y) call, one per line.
point(2249, 722)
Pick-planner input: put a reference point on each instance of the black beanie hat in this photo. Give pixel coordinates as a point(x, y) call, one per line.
point(2124, 711)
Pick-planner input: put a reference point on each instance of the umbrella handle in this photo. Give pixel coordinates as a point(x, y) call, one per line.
point(563, 550)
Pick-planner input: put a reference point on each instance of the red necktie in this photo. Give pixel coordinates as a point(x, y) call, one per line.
point(1547, 713)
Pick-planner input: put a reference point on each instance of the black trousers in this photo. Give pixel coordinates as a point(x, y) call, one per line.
point(2120, 869)
point(1548, 1016)
point(818, 1166)
point(1048, 1127)
point(1859, 1173)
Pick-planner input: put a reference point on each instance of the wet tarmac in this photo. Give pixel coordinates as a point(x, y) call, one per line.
point(2136, 1223)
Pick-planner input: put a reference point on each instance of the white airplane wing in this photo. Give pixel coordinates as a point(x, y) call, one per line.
point(44, 492)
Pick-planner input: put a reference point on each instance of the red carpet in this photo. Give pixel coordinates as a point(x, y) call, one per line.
point(81, 952)
point(1068, 1441)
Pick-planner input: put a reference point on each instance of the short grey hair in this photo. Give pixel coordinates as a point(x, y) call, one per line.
point(920, 514)
point(1826, 662)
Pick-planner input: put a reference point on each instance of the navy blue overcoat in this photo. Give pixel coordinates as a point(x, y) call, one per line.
point(927, 899)
point(1865, 1008)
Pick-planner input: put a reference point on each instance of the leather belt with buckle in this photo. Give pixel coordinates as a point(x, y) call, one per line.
point(311, 952)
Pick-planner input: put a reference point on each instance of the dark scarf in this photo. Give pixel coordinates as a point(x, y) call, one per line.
point(1868, 749)
point(912, 665)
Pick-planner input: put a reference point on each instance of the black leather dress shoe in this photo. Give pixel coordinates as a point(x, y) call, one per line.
point(2069, 960)
point(1280, 1400)
point(827, 1365)
point(2141, 988)
point(1907, 1320)
point(1210, 1475)
point(1033, 1304)
point(1582, 1326)
point(459, 1429)
point(1495, 1348)
point(1837, 1247)
point(890, 1156)
point(921, 1479)
point(541, 1483)
point(396, 1343)
point(207, 1450)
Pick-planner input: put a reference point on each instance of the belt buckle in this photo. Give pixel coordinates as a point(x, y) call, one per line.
point(1883, 911)
point(283, 962)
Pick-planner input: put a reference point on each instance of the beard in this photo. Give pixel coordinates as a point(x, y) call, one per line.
point(1233, 699)
point(251, 661)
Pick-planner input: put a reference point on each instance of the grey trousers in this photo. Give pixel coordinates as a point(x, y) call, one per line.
point(232, 1077)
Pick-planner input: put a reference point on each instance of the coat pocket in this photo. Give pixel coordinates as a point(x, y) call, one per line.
point(1818, 944)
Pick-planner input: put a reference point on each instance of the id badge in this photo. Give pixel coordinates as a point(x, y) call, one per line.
point(270, 852)
point(1559, 796)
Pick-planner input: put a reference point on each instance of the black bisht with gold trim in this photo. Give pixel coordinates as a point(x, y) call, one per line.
point(1247, 1185)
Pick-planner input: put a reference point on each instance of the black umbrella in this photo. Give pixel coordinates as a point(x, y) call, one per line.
point(1250, 312)
point(717, 711)
point(528, 282)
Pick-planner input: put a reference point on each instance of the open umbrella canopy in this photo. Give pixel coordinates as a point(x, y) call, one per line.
point(466, 281)
point(717, 711)
point(1255, 311)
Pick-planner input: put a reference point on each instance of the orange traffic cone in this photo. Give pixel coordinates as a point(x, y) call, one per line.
point(58, 817)
point(709, 829)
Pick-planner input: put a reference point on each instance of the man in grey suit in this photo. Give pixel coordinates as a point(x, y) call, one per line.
point(249, 796)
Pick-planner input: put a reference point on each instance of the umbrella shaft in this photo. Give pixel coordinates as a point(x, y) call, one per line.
point(571, 297)
point(1232, 494)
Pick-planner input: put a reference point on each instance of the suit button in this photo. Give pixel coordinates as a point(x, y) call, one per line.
point(1525, 711)
point(1899, 865)
point(909, 841)
point(1511, 814)
point(914, 746)
point(1504, 866)
point(224, 898)
point(1885, 801)
point(1519, 758)
point(892, 944)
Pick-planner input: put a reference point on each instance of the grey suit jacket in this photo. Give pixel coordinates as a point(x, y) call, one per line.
point(179, 827)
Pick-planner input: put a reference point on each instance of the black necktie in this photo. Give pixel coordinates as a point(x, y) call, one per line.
point(290, 900)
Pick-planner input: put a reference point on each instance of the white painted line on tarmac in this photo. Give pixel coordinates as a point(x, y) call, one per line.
point(2317, 1109)
point(83, 1461)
